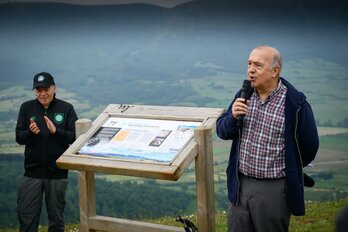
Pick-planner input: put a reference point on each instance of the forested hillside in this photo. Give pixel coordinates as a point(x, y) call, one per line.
point(127, 199)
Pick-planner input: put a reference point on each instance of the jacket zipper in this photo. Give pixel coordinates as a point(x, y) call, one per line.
point(237, 164)
point(43, 152)
point(296, 140)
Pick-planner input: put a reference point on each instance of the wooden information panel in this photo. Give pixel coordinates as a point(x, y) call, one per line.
point(157, 142)
point(75, 159)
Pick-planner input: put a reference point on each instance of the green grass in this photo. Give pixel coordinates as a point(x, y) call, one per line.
point(326, 93)
point(221, 87)
point(329, 185)
point(320, 217)
point(335, 142)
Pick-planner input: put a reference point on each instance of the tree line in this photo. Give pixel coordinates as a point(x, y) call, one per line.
point(127, 199)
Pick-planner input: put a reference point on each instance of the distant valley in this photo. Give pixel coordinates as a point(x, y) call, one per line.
point(191, 55)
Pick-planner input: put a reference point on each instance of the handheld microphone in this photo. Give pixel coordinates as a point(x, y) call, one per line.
point(245, 92)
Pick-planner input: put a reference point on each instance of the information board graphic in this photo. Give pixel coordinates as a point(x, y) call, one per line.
point(140, 139)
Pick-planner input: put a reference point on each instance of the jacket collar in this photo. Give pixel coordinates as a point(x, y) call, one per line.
point(296, 97)
point(50, 105)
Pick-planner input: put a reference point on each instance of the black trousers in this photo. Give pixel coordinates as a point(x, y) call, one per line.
point(29, 203)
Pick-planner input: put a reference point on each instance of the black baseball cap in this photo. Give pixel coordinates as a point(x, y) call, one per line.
point(43, 79)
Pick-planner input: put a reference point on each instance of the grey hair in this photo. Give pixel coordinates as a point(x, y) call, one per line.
point(277, 60)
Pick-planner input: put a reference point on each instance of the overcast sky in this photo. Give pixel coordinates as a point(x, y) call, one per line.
point(163, 3)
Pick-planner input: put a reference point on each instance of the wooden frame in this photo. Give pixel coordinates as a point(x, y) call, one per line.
point(199, 149)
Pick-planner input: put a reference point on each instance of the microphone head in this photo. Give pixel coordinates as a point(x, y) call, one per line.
point(246, 85)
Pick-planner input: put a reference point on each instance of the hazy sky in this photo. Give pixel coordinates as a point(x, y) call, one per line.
point(163, 3)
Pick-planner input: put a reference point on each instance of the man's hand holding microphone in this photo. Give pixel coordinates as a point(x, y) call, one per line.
point(240, 106)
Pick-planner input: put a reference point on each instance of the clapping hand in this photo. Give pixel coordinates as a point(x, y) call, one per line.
point(51, 127)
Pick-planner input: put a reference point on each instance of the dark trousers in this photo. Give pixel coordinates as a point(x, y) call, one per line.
point(29, 203)
point(262, 207)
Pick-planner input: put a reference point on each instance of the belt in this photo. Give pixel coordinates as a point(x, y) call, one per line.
point(259, 179)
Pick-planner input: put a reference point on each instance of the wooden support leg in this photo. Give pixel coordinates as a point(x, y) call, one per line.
point(205, 180)
point(86, 185)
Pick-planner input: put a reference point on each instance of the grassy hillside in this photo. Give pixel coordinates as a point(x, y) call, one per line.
point(194, 54)
point(326, 94)
point(320, 217)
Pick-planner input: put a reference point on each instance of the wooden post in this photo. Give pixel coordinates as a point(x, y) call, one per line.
point(201, 149)
point(86, 184)
point(205, 180)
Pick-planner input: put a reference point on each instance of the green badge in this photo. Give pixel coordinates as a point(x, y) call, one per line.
point(58, 118)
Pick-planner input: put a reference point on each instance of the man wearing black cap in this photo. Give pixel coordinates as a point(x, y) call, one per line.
point(46, 126)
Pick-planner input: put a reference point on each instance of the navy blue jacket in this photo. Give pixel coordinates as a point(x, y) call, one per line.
point(301, 146)
point(42, 150)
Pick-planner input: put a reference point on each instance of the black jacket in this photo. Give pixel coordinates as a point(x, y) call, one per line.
point(42, 150)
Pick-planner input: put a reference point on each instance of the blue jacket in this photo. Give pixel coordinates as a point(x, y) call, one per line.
point(301, 146)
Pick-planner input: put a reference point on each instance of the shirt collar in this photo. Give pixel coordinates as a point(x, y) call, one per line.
point(280, 87)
